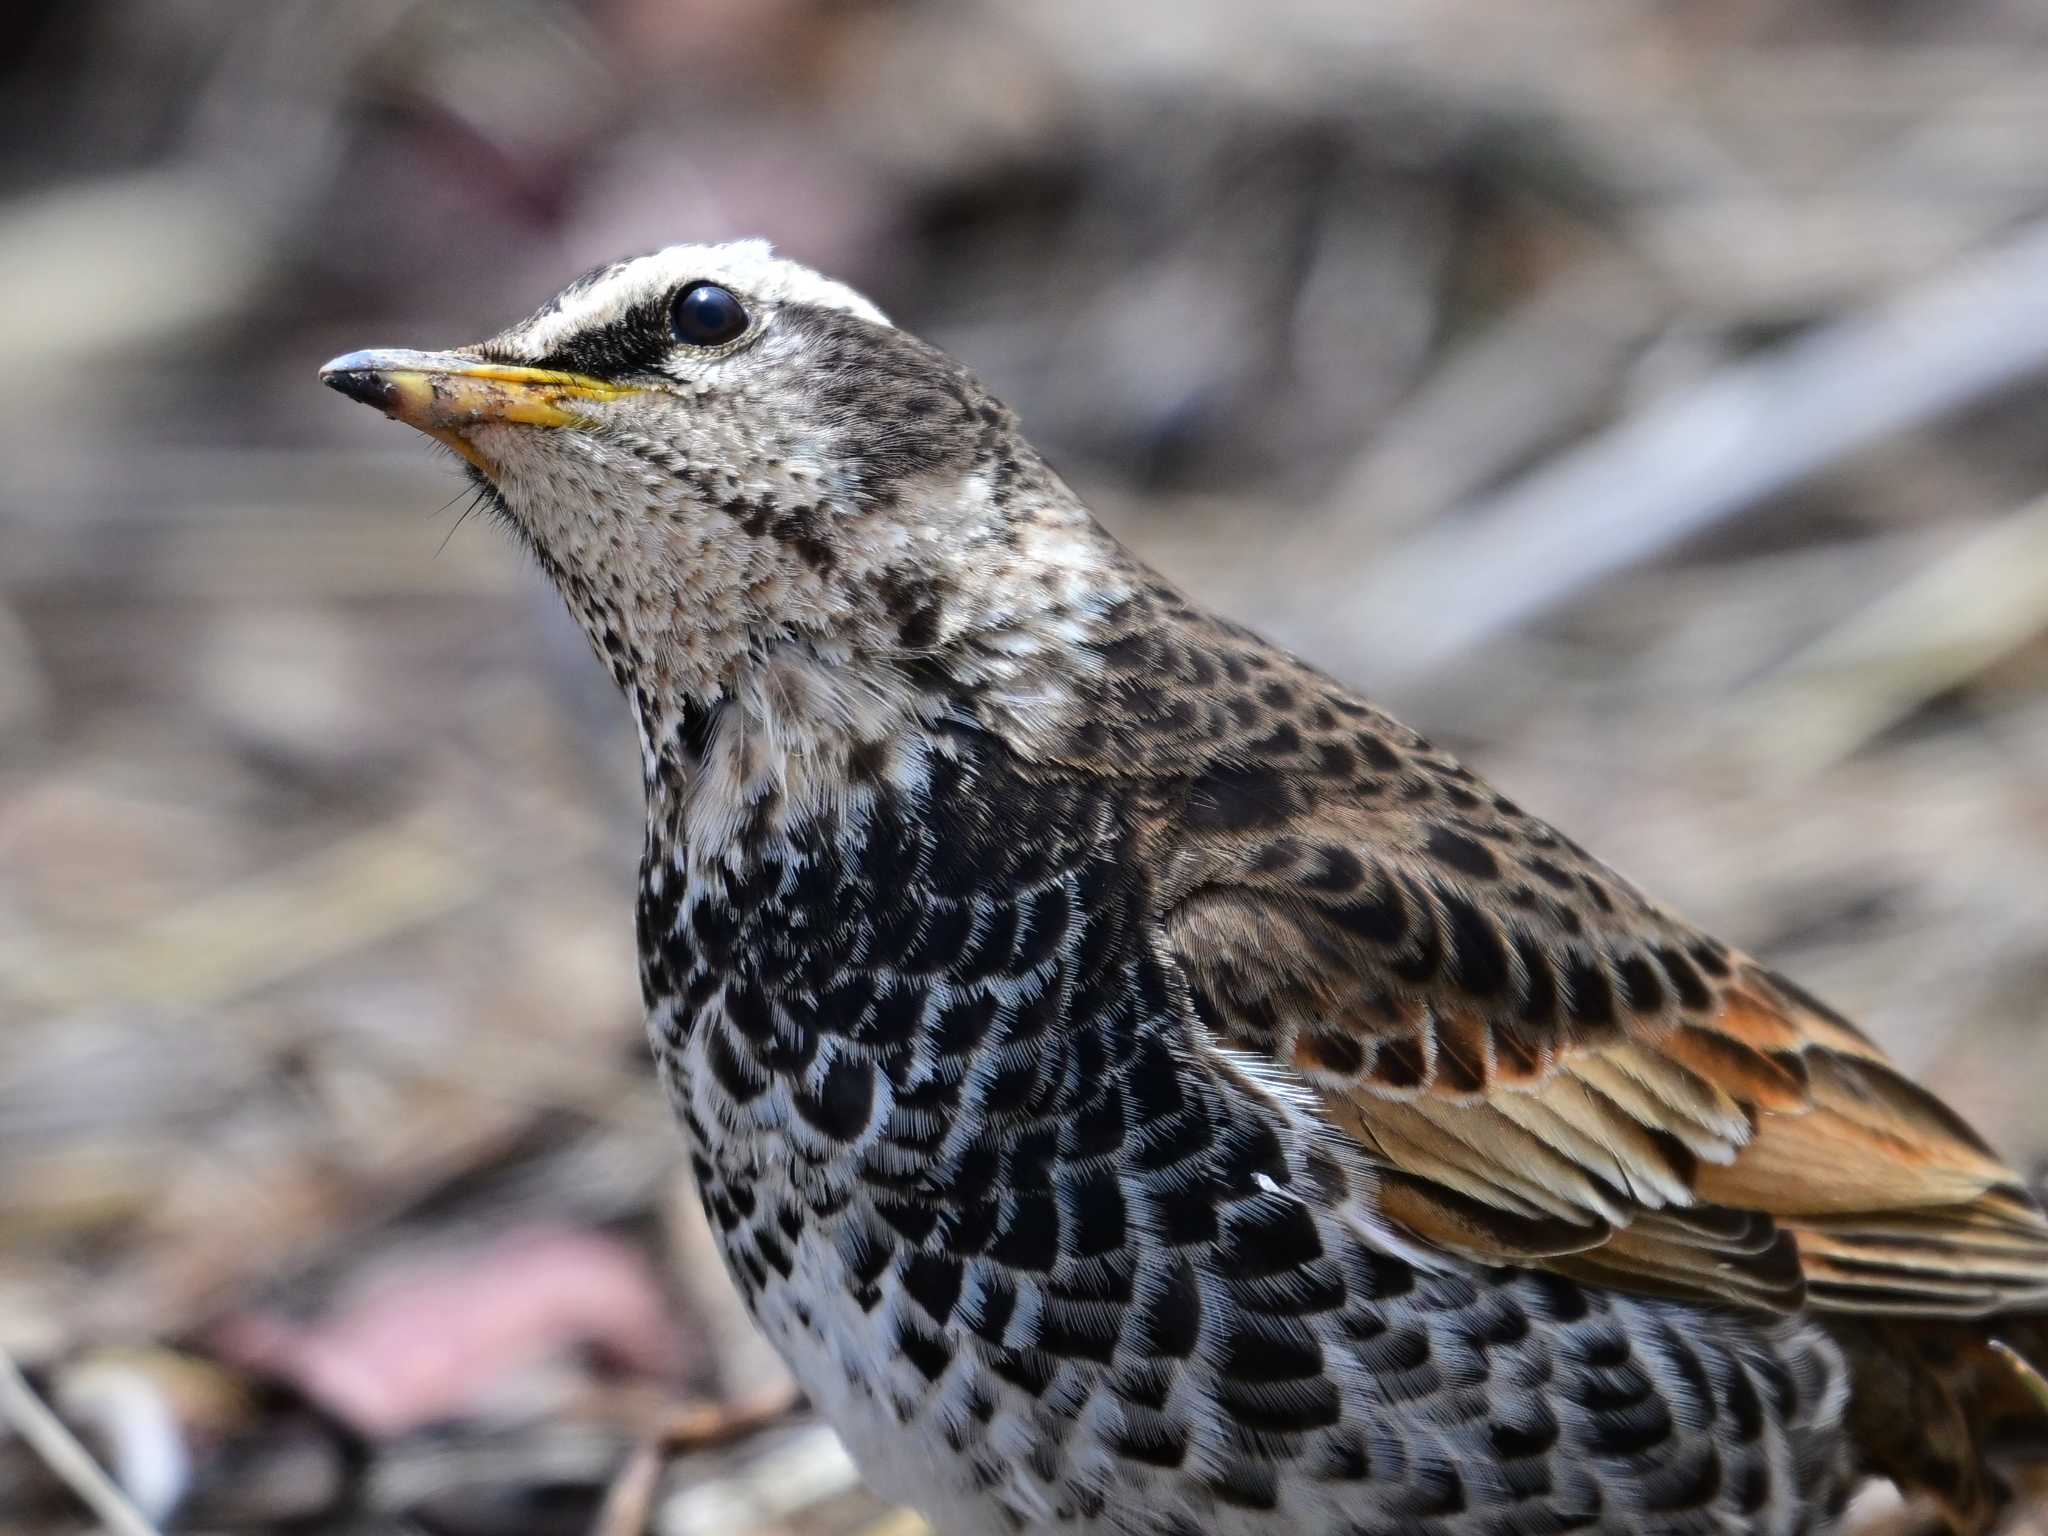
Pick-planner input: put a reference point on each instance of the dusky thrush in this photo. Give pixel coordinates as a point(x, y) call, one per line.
point(1143, 1089)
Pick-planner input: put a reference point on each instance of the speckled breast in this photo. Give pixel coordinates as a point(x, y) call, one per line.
point(1049, 1259)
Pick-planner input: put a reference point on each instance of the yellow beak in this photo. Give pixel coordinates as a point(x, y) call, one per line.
point(446, 394)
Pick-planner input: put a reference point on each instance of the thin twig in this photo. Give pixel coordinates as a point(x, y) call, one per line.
point(50, 1438)
point(703, 1426)
point(629, 1503)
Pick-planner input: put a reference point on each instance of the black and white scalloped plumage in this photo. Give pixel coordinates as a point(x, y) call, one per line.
point(1142, 1089)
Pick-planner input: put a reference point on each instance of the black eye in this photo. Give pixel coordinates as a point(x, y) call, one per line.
point(706, 315)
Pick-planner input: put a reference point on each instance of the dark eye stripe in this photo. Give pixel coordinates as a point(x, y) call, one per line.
point(636, 343)
point(643, 340)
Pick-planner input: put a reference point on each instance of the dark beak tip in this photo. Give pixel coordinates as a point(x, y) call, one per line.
point(358, 376)
point(361, 375)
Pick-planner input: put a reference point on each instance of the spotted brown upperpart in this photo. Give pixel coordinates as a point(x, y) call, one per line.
point(1141, 1087)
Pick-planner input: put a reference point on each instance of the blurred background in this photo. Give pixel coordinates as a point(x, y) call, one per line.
point(1644, 397)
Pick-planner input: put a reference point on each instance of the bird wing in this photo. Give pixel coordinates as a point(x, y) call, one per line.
point(1616, 1097)
point(1546, 1067)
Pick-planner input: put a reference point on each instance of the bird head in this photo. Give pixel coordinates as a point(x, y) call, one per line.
point(730, 464)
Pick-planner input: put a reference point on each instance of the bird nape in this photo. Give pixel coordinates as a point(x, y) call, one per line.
point(1141, 1087)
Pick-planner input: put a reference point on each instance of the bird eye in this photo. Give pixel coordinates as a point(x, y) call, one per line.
point(706, 315)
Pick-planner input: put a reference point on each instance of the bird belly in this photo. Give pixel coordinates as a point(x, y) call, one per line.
point(1470, 1404)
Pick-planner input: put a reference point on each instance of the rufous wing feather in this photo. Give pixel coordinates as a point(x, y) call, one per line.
point(1745, 1144)
point(1548, 1067)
